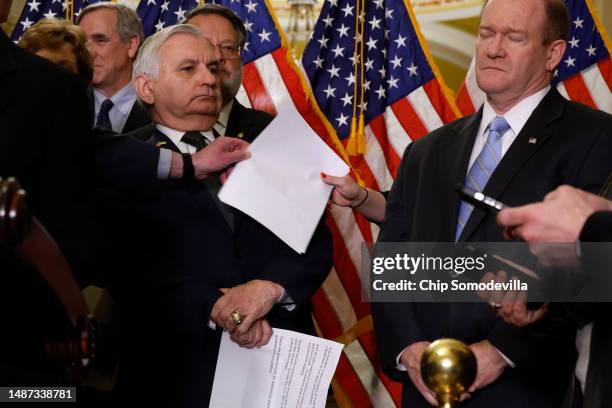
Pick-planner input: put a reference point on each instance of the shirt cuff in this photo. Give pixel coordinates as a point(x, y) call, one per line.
point(398, 364)
point(163, 166)
point(510, 362)
point(211, 325)
point(285, 301)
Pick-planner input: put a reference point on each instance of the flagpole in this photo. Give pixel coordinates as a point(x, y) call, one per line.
point(69, 11)
point(356, 143)
point(361, 144)
point(356, 54)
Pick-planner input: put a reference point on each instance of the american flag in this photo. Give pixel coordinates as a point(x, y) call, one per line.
point(270, 76)
point(585, 72)
point(404, 98)
point(158, 14)
point(34, 10)
point(270, 79)
point(414, 105)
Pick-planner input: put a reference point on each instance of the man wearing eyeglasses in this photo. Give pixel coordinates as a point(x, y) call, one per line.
point(226, 31)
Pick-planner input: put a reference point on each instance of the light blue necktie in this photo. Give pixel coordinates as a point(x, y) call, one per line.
point(483, 167)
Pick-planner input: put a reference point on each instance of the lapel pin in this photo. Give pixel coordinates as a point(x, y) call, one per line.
point(533, 140)
point(160, 144)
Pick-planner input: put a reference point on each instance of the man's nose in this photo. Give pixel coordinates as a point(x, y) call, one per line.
point(496, 49)
point(219, 55)
point(207, 78)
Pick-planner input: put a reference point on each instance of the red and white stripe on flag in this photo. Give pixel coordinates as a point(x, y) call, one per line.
point(339, 310)
point(272, 80)
point(585, 70)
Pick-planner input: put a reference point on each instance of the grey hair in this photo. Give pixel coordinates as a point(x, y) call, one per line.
point(148, 60)
point(128, 22)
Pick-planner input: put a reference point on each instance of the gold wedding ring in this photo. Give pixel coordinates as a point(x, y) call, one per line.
point(236, 317)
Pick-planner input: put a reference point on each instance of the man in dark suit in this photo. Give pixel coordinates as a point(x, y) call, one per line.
point(44, 155)
point(226, 31)
point(568, 215)
point(114, 32)
point(205, 266)
point(52, 159)
point(524, 142)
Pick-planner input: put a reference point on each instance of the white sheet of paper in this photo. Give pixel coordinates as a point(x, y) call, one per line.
point(280, 184)
point(292, 370)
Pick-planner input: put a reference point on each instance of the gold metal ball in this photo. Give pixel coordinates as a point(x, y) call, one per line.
point(448, 368)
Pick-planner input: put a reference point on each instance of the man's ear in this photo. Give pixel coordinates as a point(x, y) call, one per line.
point(144, 89)
point(556, 50)
point(133, 45)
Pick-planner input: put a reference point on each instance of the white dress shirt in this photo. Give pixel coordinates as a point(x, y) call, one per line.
point(123, 101)
point(223, 119)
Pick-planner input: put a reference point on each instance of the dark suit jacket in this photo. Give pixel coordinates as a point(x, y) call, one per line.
point(597, 393)
point(246, 123)
point(138, 117)
point(573, 145)
point(184, 252)
point(46, 143)
point(44, 124)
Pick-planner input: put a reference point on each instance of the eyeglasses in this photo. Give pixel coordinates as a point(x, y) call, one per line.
point(229, 51)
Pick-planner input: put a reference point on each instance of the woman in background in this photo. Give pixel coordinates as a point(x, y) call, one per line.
point(61, 43)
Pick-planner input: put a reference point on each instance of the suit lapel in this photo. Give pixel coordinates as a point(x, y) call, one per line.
point(237, 122)
point(454, 155)
point(138, 117)
point(162, 141)
point(527, 143)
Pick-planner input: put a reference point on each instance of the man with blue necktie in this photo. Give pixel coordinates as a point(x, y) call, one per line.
point(524, 142)
point(115, 33)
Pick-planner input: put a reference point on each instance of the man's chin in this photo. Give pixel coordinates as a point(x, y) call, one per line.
point(97, 81)
point(206, 111)
point(492, 84)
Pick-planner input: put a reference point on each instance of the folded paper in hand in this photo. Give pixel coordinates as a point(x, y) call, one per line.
point(280, 184)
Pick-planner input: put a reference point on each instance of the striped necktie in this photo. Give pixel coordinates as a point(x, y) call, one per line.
point(483, 168)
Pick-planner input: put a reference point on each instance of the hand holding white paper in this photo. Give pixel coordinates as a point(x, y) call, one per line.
point(280, 184)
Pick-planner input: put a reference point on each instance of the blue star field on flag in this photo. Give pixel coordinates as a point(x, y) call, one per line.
point(262, 36)
point(585, 46)
point(159, 14)
point(394, 61)
point(34, 10)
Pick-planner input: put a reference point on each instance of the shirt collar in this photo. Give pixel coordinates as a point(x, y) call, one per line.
point(517, 116)
point(122, 100)
point(177, 135)
point(223, 118)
